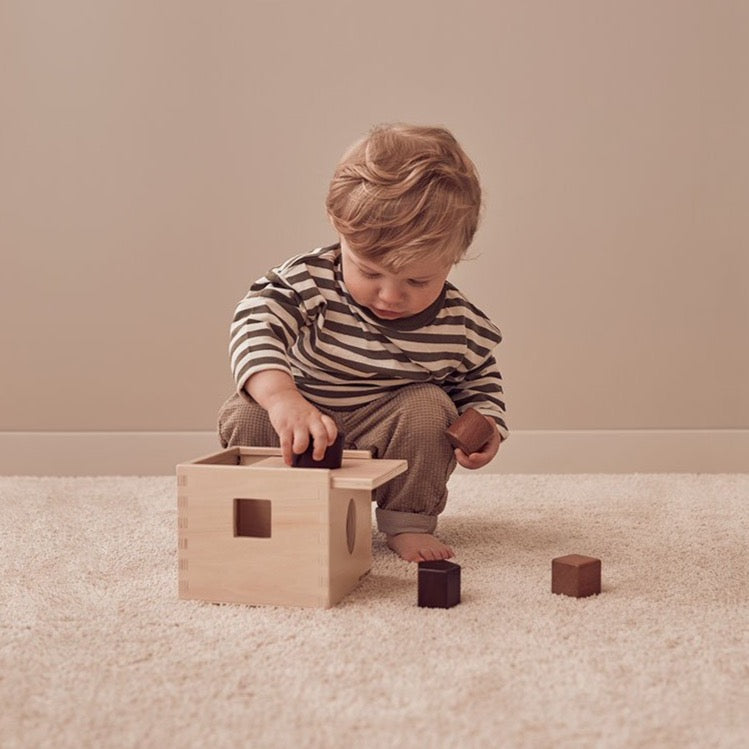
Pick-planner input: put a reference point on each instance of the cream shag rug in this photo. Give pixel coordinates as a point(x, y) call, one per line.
point(97, 651)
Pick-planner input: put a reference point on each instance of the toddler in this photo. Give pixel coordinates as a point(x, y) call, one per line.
point(368, 337)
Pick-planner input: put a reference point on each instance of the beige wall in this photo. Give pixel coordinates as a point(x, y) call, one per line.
point(156, 157)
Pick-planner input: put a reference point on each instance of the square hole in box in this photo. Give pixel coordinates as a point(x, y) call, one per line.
point(252, 518)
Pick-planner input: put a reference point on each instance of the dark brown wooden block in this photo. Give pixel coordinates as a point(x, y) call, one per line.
point(576, 575)
point(332, 459)
point(470, 431)
point(439, 584)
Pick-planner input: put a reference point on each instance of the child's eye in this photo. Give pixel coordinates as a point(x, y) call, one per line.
point(418, 283)
point(369, 275)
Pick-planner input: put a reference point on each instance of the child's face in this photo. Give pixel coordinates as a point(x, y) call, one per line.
point(390, 295)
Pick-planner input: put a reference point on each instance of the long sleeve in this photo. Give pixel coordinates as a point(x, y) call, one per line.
point(480, 387)
point(268, 320)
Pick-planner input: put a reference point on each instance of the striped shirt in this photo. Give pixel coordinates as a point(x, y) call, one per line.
point(301, 319)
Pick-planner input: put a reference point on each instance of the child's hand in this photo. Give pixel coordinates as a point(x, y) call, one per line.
point(485, 454)
point(295, 420)
point(293, 417)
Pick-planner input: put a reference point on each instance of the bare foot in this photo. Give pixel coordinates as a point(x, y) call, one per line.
point(419, 547)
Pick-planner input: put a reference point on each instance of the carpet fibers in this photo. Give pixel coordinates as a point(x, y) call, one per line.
point(97, 651)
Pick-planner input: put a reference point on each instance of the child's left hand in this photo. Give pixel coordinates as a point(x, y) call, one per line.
point(485, 454)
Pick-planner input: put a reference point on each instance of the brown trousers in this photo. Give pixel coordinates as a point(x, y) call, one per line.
point(407, 424)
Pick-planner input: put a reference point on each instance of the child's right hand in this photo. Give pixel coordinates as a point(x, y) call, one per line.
point(293, 417)
point(296, 420)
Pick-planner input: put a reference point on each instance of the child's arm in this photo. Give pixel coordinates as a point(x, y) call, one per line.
point(266, 325)
point(293, 417)
point(480, 387)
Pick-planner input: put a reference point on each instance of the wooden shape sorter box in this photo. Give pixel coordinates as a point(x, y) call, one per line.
point(253, 530)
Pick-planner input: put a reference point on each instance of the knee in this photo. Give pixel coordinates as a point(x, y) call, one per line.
point(228, 419)
point(242, 423)
point(430, 410)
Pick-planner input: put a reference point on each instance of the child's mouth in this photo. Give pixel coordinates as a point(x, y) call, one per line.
point(386, 313)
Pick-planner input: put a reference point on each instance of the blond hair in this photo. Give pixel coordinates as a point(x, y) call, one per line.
point(406, 192)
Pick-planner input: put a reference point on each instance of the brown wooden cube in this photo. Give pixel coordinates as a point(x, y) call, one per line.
point(576, 575)
point(470, 431)
point(332, 459)
point(439, 584)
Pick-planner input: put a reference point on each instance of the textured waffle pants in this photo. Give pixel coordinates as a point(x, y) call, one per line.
point(406, 424)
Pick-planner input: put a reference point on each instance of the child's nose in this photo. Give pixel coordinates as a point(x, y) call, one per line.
point(390, 293)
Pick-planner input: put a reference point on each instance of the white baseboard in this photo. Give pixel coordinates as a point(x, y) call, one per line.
point(101, 453)
point(625, 451)
point(529, 451)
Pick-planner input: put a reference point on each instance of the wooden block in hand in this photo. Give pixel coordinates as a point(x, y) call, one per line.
point(439, 584)
point(576, 575)
point(470, 431)
point(332, 459)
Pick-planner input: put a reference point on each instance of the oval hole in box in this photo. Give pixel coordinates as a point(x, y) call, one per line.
point(351, 526)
